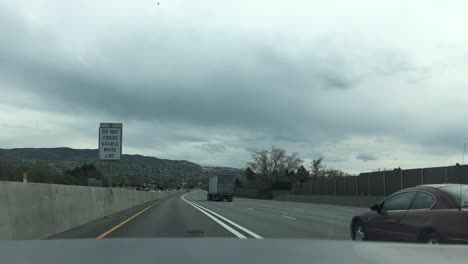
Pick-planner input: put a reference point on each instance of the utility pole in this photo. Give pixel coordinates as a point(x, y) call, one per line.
point(464, 149)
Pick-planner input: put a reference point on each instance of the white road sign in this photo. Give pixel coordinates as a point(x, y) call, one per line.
point(110, 141)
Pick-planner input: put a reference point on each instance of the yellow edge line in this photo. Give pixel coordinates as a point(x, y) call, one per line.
point(126, 221)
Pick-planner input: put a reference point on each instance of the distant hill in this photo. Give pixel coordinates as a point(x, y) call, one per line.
point(129, 166)
point(49, 153)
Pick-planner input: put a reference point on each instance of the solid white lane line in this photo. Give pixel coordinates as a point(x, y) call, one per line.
point(250, 208)
point(237, 234)
point(289, 217)
point(229, 221)
point(225, 219)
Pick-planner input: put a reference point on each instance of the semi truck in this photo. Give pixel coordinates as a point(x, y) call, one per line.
point(221, 187)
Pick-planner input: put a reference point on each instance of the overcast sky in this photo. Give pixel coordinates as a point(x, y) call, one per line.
point(365, 84)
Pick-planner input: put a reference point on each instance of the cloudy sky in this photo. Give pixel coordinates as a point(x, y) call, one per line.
point(367, 85)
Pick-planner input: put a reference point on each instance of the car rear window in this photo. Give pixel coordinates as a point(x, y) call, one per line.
point(459, 193)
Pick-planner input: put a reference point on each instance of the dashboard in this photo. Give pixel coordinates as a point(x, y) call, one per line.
point(225, 250)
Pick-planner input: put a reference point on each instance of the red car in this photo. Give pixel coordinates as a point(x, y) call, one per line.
point(427, 213)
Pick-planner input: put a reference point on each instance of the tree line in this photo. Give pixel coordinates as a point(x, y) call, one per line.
point(41, 172)
point(273, 168)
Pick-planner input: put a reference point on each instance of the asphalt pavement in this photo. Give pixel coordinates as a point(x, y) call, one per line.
point(191, 215)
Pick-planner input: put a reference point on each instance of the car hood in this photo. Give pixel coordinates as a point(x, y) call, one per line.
point(224, 250)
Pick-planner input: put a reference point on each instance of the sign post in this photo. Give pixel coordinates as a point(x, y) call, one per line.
point(110, 144)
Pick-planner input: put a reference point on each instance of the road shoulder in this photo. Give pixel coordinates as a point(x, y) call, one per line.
point(97, 227)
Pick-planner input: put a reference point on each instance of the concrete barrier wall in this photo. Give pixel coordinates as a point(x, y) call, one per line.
point(392, 181)
point(322, 186)
point(340, 186)
point(412, 178)
point(358, 201)
point(367, 185)
point(350, 185)
point(434, 175)
point(36, 210)
point(247, 193)
point(457, 174)
point(331, 186)
point(377, 185)
point(364, 184)
point(315, 186)
point(253, 193)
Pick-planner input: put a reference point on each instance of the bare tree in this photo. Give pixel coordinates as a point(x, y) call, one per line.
point(277, 158)
point(302, 175)
point(335, 173)
point(317, 168)
point(268, 163)
point(249, 174)
point(293, 162)
point(260, 162)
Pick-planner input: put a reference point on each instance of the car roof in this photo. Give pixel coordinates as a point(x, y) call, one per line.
point(437, 186)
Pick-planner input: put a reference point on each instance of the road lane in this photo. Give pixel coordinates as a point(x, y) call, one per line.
point(171, 218)
point(277, 219)
point(97, 227)
point(219, 218)
point(243, 218)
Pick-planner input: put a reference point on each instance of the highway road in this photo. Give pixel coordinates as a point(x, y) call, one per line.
point(191, 215)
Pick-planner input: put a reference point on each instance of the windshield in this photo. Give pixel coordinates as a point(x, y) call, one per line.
point(254, 119)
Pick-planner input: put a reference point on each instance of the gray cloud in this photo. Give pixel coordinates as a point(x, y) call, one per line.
point(195, 84)
point(367, 156)
point(213, 147)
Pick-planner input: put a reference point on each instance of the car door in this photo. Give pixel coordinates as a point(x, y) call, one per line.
point(385, 224)
point(418, 216)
